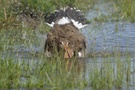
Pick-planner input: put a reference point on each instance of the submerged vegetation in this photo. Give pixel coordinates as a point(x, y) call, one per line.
point(23, 64)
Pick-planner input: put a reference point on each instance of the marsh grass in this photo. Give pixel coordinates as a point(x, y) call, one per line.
point(34, 70)
point(124, 10)
point(35, 9)
point(10, 73)
point(21, 66)
point(107, 74)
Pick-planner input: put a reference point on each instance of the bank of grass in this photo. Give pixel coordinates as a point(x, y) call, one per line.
point(9, 10)
point(125, 10)
point(50, 74)
point(37, 9)
point(57, 74)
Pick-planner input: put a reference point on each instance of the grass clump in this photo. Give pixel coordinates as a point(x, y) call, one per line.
point(106, 75)
point(102, 78)
point(126, 9)
point(10, 73)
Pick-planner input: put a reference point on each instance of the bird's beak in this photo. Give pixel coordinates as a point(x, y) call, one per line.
point(68, 53)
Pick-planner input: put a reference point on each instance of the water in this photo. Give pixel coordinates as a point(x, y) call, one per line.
point(109, 37)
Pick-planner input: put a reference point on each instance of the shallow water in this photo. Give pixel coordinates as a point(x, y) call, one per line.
point(109, 37)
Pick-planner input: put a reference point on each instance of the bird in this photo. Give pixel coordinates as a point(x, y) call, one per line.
point(65, 36)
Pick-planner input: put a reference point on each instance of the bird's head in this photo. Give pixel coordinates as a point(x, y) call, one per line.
point(68, 50)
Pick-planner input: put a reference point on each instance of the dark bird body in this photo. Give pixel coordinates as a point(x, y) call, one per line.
point(64, 35)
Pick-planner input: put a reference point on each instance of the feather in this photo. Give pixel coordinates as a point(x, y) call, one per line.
point(65, 16)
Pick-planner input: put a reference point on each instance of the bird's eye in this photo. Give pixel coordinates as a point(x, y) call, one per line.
point(62, 42)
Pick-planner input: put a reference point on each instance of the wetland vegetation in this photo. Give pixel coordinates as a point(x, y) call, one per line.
point(24, 66)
